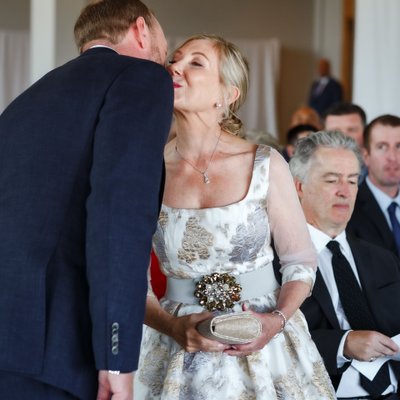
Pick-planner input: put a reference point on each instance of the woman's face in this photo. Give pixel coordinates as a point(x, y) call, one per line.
point(194, 68)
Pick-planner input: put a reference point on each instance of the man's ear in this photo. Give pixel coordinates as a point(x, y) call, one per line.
point(299, 188)
point(365, 156)
point(290, 150)
point(141, 33)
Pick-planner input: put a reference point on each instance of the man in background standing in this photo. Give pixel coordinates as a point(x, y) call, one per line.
point(81, 178)
point(326, 90)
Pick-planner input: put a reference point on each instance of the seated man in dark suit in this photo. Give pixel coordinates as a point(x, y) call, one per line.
point(376, 212)
point(352, 312)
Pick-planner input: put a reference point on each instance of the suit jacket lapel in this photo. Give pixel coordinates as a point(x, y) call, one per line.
point(362, 261)
point(321, 294)
point(371, 207)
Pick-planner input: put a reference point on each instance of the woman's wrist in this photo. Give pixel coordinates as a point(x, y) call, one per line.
point(283, 318)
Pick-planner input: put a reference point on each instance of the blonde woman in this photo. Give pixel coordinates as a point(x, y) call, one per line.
point(224, 201)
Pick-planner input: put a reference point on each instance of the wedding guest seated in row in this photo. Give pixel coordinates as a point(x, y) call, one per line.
point(224, 200)
point(352, 312)
point(350, 119)
point(293, 135)
point(305, 115)
point(376, 214)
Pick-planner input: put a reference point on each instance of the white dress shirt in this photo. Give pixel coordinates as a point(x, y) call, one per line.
point(349, 385)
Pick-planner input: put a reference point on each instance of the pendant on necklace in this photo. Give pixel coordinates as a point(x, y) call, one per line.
point(206, 178)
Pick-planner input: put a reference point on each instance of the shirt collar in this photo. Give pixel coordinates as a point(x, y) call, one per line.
point(102, 45)
point(382, 198)
point(321, 239)
point(324, 80)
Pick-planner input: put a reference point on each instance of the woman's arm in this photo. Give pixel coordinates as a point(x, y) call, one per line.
point(181, 329)
point(294, 247)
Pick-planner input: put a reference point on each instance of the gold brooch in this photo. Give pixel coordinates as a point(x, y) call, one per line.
point(217, 291)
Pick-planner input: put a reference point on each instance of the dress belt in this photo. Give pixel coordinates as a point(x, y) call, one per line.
point(254, 284)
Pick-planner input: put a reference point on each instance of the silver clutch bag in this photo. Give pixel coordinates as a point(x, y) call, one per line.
point(235, 328)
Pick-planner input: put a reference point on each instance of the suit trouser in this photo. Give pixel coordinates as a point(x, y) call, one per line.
point(18, 387)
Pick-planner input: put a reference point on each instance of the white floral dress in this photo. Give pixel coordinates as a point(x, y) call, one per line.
point(236, 238)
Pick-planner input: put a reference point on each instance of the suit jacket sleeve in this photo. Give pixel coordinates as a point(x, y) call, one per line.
point(123, 206)
point(326, 338)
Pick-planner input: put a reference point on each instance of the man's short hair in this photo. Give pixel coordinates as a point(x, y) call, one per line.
point(293, 133)
point(306, 147)
point(109, 20)
point(386, 120)
point(345, 108)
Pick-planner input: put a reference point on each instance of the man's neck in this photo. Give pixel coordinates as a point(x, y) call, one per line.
point(391, 190)
point(97, 43)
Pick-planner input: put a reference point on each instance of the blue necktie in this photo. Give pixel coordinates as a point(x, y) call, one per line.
point(395, 224)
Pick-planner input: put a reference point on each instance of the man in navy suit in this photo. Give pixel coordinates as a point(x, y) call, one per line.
point(81, 178)
point(326, 90)
point(325, 168)
point(376, 213)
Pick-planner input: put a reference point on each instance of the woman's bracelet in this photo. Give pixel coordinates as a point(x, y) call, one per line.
point(283, 322)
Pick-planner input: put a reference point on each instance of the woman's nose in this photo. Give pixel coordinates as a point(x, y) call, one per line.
point(174, 69)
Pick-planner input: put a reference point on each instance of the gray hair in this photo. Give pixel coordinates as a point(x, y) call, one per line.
point(306, 147)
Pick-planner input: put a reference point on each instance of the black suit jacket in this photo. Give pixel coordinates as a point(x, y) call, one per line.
point(81, 161)
point(332, 93)
point(379, 272)
point(368, 221)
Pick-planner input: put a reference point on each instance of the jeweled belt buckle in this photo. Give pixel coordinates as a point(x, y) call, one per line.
point(218, 291)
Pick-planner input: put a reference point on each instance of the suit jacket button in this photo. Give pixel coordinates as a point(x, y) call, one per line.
point(114, 350)
point(114, 339)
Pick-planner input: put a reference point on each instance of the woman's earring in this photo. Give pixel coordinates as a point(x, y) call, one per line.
point(218, 105)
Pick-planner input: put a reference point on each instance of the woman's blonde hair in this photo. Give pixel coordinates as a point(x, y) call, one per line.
point(234, 71)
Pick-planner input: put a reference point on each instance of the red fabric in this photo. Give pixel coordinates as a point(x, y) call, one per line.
point(158, 279)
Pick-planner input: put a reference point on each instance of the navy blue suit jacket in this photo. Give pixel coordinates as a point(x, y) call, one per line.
point(368, 221)
point(81, 176)
point(331, 94)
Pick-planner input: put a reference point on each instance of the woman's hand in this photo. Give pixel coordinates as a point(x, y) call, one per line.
point(271, 325)
point(183, 331)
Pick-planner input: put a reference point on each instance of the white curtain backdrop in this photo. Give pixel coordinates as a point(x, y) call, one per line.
point(376, 79)
point(259, 113)
point(14, 65)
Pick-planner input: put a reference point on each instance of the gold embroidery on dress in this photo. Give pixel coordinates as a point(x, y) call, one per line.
point(196, 242)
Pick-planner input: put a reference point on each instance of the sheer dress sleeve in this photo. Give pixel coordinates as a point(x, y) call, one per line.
point(289, 230)
point(150, 292)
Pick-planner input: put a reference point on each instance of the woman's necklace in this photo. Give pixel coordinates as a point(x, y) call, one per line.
point(204, 173)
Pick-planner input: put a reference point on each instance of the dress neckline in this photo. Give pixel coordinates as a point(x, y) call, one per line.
point(258, 149)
